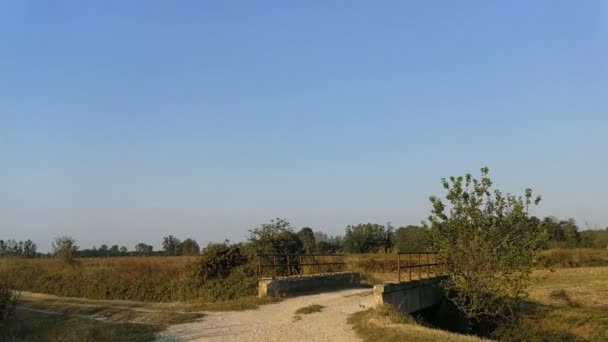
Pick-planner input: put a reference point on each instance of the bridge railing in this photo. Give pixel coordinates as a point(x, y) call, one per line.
point(419, 264)
point(286, 265)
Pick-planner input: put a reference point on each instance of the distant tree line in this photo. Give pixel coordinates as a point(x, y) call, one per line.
point(26, 248)
point(360, 238)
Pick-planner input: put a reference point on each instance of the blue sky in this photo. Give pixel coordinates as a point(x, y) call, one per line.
point(123, 121)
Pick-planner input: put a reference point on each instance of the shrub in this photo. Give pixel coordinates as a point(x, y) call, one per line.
point(218, 260)
point(490, 243)
point(64, 248)
point(8, 299)
point(240, 283)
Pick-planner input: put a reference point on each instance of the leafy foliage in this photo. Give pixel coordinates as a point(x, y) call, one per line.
point(190, 247)
point(64, 248)
point(144, 249)
point(218, 260)
point(307, 237)
point(172, 245)
point(490, 244)
point(365, 238)
point(25, 248)
point(275, 237)
point(413, 239)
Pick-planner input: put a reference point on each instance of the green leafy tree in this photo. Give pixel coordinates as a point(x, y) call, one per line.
point(64, 248)
point(190, 247)
point(103, 250)
point(275, 237)
point(114, 250)
point(572, 237)
point(218, 260)
point(365, 238)
point(29, 249)
point(490, 243)
point(307, 237)
point(144, 249)
point(172, 245)
point(413, 239)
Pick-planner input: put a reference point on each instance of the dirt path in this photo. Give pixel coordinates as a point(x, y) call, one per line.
point(276, 322)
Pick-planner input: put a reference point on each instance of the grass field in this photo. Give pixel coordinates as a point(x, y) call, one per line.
point(566, 304)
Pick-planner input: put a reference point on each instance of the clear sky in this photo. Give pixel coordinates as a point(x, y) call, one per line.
point(123, 121)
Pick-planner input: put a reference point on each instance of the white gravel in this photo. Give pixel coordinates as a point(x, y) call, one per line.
point(276, 322)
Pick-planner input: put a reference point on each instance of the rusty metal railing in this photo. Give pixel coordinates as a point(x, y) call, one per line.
point(298, 265)
point(432, 262)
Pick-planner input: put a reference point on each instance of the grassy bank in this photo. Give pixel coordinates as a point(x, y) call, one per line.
point(33, 326)
point(387, 324)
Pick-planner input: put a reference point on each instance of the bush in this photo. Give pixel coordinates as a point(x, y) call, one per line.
point(240, 283)
point(218, 260)
point(8, 299)
point(490, 244)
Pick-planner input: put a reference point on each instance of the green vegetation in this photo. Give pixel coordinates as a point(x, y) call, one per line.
point(190, 247)
point(25, 248)
point(306, 310)
point(386, 324)
point(560, 307)
point(8, 300)
point(307, 238)
point(490, 245)
point(64, 248)
point(490, 242)
point(413, 239)
point(564, 305)
point(33, 326)
point(136, 278)
point(367, 238)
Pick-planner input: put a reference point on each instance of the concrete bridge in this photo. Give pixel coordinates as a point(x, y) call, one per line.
point(410, 296)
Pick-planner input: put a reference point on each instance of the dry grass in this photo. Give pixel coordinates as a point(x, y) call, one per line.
point(34, 326)
point(587, 285)
point(573, 257)
point(386, 324)
point(568, 304)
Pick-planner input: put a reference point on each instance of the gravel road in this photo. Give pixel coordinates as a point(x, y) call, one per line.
point(276, 322)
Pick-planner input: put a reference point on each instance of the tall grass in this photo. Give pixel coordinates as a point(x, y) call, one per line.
point(155, 279)
point(573, 257)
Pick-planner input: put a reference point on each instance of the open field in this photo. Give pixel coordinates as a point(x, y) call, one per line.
point(170, 279)
point(573, 301)
point(151, 279)
point(566, 302)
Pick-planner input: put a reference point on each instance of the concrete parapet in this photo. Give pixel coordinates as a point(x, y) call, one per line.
point(286, 286)
point(410, 296)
